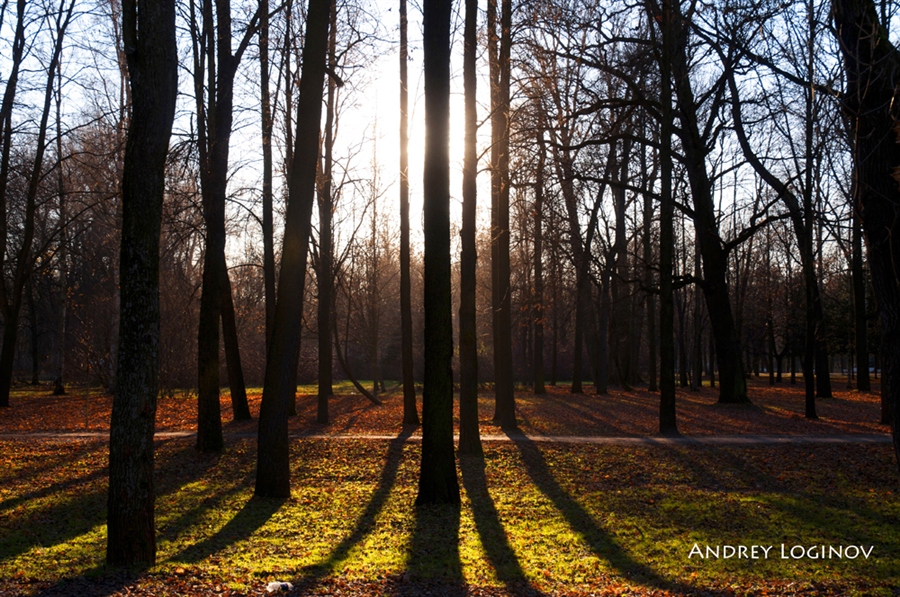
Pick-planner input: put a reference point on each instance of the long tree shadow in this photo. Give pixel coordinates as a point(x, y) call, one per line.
point(490, 529)
point(366, 521)
point(65, 519)
point(433, 565)
point(736, 471)
point(255, 513)
point(581, 521)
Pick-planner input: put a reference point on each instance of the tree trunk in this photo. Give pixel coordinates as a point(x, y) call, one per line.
point(505, 407)
point(870, 63)
point(325, 277)
point(33, 331)
point(437, 477)
point(59, 386)
point(863, 384)
point(410, 414)
point(152, 56)
point(273, 459)
point(667, 416)
point(538, 316)
point(733, 385)
point(268, 224)
point(240, 408)
point(469, 438)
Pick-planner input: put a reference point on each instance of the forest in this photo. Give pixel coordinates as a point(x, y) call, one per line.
point(491, 217)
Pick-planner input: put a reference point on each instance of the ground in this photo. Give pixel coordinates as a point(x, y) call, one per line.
point(538, 517)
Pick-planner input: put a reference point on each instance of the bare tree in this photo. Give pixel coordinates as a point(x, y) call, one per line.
point(152, 55)
point(273, 475)
point(469, 438)
point(437, 477)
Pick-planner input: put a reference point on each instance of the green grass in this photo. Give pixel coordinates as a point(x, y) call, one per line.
point(548, 516)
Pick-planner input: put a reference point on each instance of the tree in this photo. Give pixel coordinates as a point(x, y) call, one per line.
point(410, 414)
point(501, 293)
point(469, 439)
point(11, 298)
point(324, 275)
point(696, 145)
point(214, 59)
point(667, 415)
point(152, 56)
point(871, 64)
point(268, 224)
point(437, 476)
point(273, 474)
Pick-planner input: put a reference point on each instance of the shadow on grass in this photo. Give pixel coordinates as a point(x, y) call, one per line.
point(581, 521)
point(490, 529)
point(812, 510)
point(598, 425)
point(433, 565)
point(255, 513)
point(67, 518)
point(366, 521)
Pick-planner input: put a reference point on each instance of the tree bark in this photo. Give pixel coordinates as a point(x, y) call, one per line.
point(863, 383)
point(325, 277)
point(538, 315)
point(469, 438)
point(437, 477)
point(505, 406)
point(273, 475)
point(240, 408)
point(410, 414)
point(667, 416)
point(268, 224)
point(871, 64)
point(152, 56)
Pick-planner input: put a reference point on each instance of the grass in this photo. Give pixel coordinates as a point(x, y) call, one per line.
point(573, 517)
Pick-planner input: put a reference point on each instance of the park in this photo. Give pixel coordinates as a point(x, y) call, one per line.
point(586, 500)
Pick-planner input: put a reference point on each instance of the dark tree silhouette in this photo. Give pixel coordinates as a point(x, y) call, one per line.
point(152, 56)
point(325, 275)
point(410, 414)
point(11, 299)
point(469, 439)
point(273, 474)
point(871, 64)
point(437, 476)
point(501, 294)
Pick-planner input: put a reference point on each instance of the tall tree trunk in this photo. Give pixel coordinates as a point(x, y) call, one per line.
point(325, 278)
point(733, 385)
point(33, 330)
point(469, 438)
point(870, 62)
point(268, 223)
point(240, 408)
point(152, 55)
point(505, 408)
point(437, 476)
point(538, 315)
point(647, 240)
point(667, 415)
point(410, 414)
point(863, 384)
point(221, 68)
point(273, 475)
point(59, 385)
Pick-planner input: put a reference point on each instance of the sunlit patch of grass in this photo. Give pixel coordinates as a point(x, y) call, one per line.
point(542, 515)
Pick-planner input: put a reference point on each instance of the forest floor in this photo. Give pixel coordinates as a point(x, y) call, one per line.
point(537, 518)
